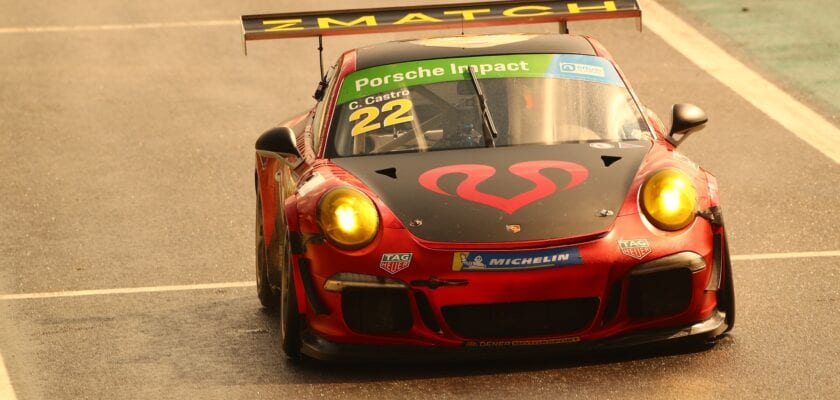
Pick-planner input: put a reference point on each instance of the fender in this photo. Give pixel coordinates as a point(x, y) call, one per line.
point(714, 193)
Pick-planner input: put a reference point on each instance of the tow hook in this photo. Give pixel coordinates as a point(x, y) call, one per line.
point(434, 283)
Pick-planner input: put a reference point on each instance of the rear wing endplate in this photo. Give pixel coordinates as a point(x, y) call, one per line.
point(434, 17)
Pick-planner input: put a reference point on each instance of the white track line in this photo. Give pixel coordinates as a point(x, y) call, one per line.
point(767, 97)
point(6, 391)
point(118, 27)
point(780, 256)
point(149, 289)
point(226, 285)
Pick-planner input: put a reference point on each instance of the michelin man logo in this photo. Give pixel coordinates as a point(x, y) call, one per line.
point(478, 261)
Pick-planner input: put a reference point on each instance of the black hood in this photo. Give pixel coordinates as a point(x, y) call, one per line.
point(503, 194)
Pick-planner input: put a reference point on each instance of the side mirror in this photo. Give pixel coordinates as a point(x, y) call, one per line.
point(278, 142)
point(685, 120)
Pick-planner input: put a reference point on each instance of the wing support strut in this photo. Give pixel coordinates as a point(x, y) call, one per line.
point(322, 86)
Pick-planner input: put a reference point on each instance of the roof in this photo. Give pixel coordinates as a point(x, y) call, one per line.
point(471, 45)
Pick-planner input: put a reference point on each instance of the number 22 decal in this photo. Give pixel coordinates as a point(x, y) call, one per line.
point(367, 116)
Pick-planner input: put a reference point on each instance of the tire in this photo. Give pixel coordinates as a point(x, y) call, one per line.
point(269, 298)
point(290, 319)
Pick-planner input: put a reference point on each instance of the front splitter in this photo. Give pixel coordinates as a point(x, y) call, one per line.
point(319, 348)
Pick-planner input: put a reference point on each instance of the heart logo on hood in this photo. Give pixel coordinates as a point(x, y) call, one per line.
point(478, 173)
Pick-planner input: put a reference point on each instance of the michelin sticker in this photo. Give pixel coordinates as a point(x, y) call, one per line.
point(502, 261)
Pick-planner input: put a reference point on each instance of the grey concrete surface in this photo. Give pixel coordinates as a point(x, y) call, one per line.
point(796, 42)
point(127, 161)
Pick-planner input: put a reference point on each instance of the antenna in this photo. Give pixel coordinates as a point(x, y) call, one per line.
point(322, 86)
point(321, 54)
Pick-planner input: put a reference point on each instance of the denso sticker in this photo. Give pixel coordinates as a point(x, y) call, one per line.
point(395, 262)
point(501, 261)
point(636, 248)
point(507, 343)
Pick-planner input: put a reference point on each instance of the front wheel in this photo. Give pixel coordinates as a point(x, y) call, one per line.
point(269, 298)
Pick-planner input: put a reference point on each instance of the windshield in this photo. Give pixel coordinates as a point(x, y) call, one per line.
point(432, 104)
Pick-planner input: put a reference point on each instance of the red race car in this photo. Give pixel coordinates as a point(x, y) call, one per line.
point(482, 193)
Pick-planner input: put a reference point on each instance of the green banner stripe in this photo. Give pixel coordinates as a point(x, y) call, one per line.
point(390, 77)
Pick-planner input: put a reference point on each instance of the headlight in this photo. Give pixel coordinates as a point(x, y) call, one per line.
point(348, 217)
point(669, 199)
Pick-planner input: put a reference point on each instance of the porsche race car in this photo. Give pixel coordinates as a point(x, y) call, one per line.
point(482, 193)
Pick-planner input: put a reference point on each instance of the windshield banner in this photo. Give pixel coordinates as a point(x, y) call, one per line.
point(394, 77)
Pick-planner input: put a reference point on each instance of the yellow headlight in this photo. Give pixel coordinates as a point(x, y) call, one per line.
point(669, 199)
point(348, 217)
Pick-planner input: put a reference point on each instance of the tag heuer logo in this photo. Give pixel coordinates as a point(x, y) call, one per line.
point(395, 262)
point(636, 248)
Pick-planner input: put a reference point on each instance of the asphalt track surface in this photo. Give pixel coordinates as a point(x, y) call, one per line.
point(127, 162)
point(796, 42)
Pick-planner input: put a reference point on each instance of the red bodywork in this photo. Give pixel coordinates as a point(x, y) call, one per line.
point(605, 263)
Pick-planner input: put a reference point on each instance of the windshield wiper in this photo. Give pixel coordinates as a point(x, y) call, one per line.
point(488, 127)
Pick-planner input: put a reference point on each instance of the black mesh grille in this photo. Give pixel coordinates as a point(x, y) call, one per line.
point(376, 310)
point(521, 319)
point(659, 293)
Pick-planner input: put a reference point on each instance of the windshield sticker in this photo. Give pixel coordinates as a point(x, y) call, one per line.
point(371, 100)
point(395, 112)
point(496, 261)
point(361, 85)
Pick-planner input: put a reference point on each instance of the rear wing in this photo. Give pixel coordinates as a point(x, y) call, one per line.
point(433, 17)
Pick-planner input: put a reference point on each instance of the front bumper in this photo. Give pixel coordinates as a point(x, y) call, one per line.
point(431, 307)
point(319, 348)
